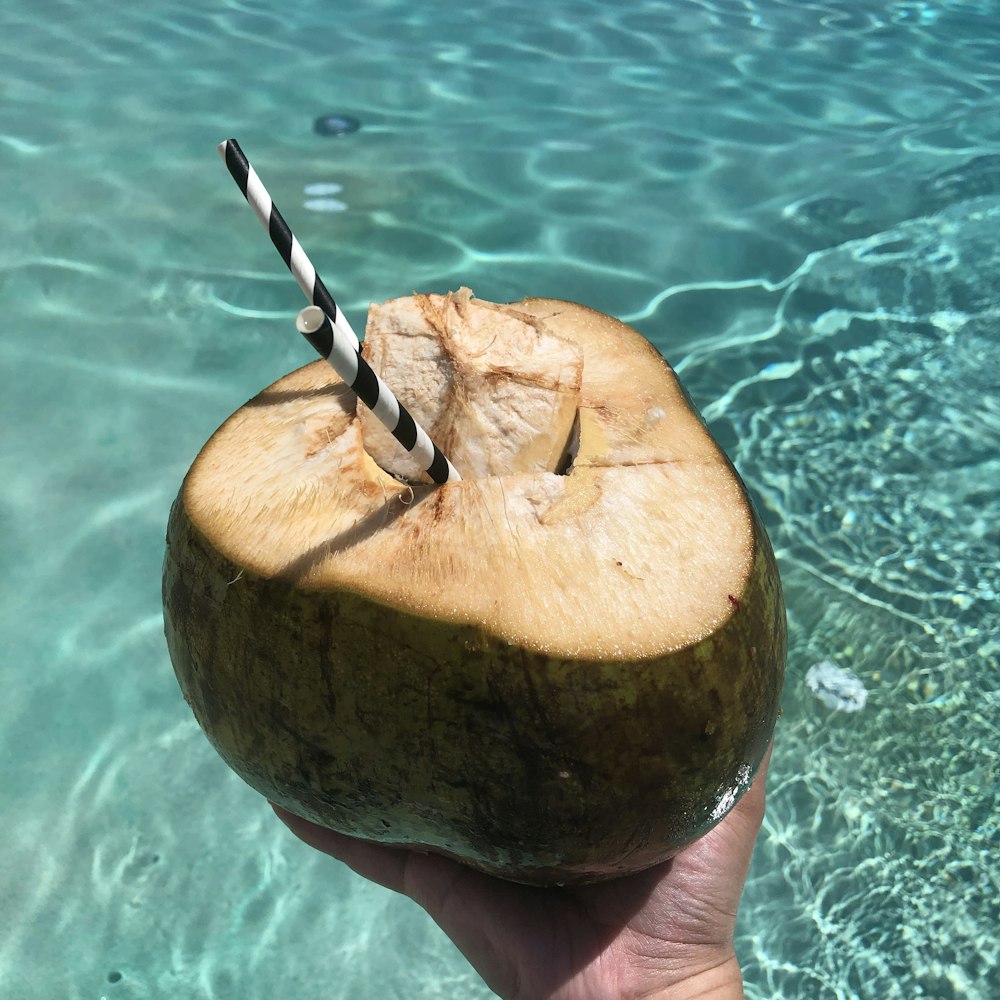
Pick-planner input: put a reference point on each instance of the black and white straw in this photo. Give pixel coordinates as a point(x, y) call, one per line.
point(314, 324)
point(281, 236)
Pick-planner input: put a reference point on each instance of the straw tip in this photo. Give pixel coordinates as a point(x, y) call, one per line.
point(223, 146)
point(310, 319)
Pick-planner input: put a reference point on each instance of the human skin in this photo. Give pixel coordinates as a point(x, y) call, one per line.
point(663, 933)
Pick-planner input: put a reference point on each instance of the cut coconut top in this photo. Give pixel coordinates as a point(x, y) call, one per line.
point(496, 391)
point(639, 548)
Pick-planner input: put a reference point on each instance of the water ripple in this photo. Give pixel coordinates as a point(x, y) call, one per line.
point(781, 195)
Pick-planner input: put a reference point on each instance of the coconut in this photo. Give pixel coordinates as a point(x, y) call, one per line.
point(563, 668)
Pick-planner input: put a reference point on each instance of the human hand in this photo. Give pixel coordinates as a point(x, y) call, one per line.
point(663, 933)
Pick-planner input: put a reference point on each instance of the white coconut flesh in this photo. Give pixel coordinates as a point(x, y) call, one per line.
point(497, 392)
point(641, 544)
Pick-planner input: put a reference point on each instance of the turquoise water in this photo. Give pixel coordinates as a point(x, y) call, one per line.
point(798, 202)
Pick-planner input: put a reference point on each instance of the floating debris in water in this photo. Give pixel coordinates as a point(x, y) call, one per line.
point(335, 125)
point(836, 687)
point(322, 188)
point(318, 197)
point(325, 205)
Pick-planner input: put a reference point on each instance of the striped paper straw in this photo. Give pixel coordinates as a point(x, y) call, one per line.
point(281, 236)
point(326, 337)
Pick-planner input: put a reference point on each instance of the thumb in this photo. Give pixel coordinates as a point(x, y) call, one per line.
point(715, 867)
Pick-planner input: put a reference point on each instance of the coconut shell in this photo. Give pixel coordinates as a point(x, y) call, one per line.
point(553, 678)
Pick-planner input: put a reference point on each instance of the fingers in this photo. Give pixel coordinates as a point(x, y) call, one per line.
point(428, 879)
point(382, 864)
point(738, 831)
point(718, 863)
point(721, 857)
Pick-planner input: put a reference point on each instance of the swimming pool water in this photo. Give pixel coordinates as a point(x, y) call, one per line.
point(798, 202)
